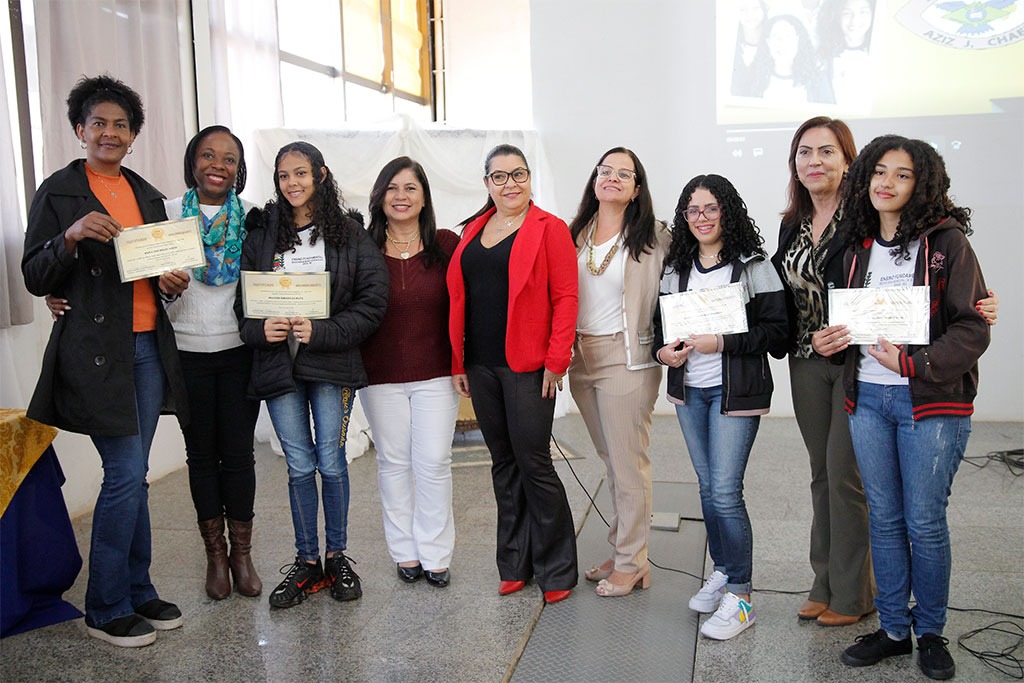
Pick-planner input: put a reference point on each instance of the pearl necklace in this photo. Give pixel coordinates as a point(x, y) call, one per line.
point(404, 253)
point(508, 223)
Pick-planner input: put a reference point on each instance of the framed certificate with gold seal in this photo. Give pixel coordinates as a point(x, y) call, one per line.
point(286, 295)
point(156, 248)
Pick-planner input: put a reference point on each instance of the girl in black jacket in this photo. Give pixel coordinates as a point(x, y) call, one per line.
point(721, 383)
point(304, 367)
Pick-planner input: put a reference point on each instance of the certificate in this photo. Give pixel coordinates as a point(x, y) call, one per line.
point(717, 310)
point(899, 314)
point(285, 295)
point(155, 248)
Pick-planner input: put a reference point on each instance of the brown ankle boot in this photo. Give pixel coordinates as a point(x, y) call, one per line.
point(247, 582)
point(218, 583)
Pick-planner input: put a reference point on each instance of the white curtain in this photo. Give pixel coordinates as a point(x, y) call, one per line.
point(15, 301)
point(136, 41)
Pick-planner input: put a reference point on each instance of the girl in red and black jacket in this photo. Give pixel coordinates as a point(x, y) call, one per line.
point(910, 405)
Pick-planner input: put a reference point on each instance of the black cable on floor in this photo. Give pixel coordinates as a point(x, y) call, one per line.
point(1002, 659)
point(1012, 459)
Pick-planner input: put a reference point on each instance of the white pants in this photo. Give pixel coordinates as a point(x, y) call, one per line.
point(412, 425)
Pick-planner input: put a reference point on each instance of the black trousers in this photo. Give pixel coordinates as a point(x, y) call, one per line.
point(218, 438)
point(536, 537)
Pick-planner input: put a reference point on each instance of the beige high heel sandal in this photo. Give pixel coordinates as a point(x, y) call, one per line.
point(600, 571)
point(607, 589)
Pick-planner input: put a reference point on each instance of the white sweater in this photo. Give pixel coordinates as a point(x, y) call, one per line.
point(204, 316)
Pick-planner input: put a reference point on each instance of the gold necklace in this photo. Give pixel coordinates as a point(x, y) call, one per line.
point(510, 221)
point(404, 253)
point(104, 183)
point(595, 270)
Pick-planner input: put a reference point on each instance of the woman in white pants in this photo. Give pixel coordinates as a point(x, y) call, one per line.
point(411, 404)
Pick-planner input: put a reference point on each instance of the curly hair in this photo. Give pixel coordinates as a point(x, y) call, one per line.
point(329, 215)
point(929, 201)
point(503, 150)
point(799, 205)
point(639, 221)
point(433, 255)
point(88, 92)
point(193, 148)
point(805, 62)
point(740, 236)
point(831, 39)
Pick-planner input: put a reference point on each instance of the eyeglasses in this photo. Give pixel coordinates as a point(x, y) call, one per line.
point(623, 174)
point(520, 175)
point(711, 212)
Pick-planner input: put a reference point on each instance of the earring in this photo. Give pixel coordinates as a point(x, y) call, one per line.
point(129, 149)
point(82, 142)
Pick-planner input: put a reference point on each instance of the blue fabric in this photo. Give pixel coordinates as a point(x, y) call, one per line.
point(907, 468)
point(719, 447)
point(330, 405)
point(39, 558)
point(222, 236)
point(121, 548)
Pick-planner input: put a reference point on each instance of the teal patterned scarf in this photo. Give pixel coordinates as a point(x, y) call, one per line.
point(222, 235)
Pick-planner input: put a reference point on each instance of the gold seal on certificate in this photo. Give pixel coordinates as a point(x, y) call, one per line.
point(156, 248)
point(898, 314)
point(716, 310)
point(285, 295)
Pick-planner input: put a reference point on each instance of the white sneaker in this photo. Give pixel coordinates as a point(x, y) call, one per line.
point(733, 617)
point(709, 597)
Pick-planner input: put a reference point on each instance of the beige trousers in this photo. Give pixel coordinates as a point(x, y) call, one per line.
point(616, 405)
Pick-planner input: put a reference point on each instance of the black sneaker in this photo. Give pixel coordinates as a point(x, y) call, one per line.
point(933, 657)
point(161, 615)
point(300, 580)
point(872, 648)
point(127, 631)
point(344, 581)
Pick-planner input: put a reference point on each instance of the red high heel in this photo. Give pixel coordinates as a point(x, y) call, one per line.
point(551, 597)
point(507, 587)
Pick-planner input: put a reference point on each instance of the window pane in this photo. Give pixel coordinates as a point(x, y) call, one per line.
point(319, 40)
point(368, 105)
point(407, 44)
point(363, 41)
point(311, 99)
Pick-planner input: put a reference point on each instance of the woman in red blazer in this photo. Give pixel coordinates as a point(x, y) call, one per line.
point(512, 281)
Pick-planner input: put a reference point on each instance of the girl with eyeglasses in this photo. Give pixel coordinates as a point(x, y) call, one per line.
point(721, 383)
point(512, 281)
point(613, 379)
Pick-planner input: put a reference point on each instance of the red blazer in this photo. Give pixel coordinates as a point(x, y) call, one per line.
point(542, 298)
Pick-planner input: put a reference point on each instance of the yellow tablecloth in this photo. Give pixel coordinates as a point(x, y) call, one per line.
point(22, 441)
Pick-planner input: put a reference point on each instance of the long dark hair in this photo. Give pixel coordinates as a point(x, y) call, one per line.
point(831, 40)
point(805, 62)
point(637, 224)
point(740, 236)
point(432, 253)
point(88, 92)
point(928, 205)
point(193, 147)
point(329, 216)
point(799, 205)
point(502, 150)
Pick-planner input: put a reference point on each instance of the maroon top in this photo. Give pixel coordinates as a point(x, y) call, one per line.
point(412, 343)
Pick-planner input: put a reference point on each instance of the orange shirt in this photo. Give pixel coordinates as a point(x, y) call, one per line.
point(117, 197)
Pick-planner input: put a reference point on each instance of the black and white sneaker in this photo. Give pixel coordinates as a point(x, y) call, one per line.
point(127, 631)
point(161, 615)
point(301, 579)
point(344, 581)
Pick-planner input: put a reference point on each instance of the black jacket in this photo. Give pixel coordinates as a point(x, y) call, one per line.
point(746, 378)
point(359, 295)
point(86, 383)
point(832, 277)
point(944, 374)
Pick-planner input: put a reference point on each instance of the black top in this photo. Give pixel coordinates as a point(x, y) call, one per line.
point(485, 272)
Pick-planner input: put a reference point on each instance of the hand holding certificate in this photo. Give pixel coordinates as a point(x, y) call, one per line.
point(286, 295)
point(156, 248)
point(718, 310)
point(898, 314)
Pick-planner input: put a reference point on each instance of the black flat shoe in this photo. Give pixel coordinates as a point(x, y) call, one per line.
point(410, 574)
point(438, 579)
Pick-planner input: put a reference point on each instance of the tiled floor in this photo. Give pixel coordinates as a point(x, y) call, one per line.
point(400, 632)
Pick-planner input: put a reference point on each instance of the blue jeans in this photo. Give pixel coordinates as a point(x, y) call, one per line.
point(120, 552)
point(330, 405)
point(719, 448)
point(908, 469)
